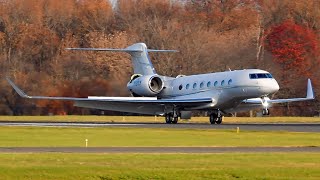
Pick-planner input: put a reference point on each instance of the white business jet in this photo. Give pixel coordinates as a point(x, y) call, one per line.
point(173, 97)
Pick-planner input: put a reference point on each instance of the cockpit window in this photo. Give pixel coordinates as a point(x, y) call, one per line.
point(260, 76)
point(269, 76)
point(253, 76)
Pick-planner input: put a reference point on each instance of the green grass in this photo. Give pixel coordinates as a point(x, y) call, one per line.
point(59, 137)
point(155, 166)
point(160, 166)
point(159, 119)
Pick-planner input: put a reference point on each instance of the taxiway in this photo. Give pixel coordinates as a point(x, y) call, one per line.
point(155, 149)
point(294, 127)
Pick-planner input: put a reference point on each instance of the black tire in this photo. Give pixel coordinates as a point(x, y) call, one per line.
point(168, 119)
point(265, 112)
point(175, 120)
point(219, 120)
point(212, 118)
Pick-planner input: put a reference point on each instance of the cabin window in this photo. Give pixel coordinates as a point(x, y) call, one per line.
point(208, 84)
point(230, 82)
point(222, 82)
point(180, 87)
point(216, 83)
point(187, 86)
point(194, 85)
point(201, 84)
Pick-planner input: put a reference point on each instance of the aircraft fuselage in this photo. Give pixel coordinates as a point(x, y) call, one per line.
point(227, 89)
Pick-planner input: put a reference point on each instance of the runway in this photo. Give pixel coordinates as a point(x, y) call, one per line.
point(294, 127)
point(156, 149)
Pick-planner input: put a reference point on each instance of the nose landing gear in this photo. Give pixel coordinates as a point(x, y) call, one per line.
point(265, 112)
point(265, 104)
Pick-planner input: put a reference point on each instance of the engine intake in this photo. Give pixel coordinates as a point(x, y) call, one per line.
point(148, 85)
point(156, 84)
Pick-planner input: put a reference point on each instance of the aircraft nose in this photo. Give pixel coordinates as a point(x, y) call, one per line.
point(274, 87)
point(269, 87)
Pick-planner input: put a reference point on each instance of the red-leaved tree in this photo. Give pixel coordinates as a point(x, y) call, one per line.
point(293, 47)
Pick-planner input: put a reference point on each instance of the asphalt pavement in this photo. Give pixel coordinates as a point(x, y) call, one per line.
point(294, 127)
point(156, 149)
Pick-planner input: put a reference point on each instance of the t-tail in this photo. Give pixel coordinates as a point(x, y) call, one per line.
point(139, 55)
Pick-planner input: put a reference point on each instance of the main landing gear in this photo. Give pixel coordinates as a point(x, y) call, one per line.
point(171, 118)
point(216, 118)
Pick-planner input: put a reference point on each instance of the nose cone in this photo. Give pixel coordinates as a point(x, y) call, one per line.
point(268, 86)
point(274, 87)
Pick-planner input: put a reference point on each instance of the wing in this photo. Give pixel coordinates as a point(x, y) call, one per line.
point(310, 96)
point(145, 105)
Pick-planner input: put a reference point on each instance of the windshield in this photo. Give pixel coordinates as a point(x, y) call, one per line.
point(260, 75)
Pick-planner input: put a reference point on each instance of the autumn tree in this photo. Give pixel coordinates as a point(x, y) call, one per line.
point(294, 48)
point(211, 36)
point(222, 15)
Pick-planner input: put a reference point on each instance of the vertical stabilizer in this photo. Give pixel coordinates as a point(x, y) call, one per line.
point(140, 59)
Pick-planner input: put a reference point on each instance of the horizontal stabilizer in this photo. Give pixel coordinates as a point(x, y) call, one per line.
point(139, 55)
point(138, 47)
point(119, 50)
point(155, 50)
point(105, 49)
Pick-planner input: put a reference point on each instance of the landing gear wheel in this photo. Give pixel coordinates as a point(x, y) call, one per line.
point(169, 118)
point(219, 120)
point(265, 112)
point(213, 118)
point(174, 120)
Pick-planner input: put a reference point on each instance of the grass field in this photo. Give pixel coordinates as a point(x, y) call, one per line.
point(159, 119)
point(98, 137)
point(160, 166)
point(38, 166)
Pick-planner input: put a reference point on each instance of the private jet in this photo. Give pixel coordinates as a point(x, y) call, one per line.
point(218, 93)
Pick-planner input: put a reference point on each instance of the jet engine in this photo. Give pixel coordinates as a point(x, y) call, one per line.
point(147, 85)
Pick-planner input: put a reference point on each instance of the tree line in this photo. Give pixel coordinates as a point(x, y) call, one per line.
point(281, 37)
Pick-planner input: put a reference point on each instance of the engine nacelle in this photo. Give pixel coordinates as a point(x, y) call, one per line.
point(148, 85)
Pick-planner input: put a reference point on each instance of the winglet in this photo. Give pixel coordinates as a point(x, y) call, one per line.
point(310, 94)
point(17, 89)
